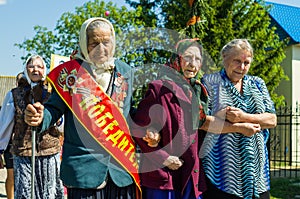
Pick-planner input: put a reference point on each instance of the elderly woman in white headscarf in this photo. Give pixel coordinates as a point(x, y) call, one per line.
point(47, 148)
point(93, 92)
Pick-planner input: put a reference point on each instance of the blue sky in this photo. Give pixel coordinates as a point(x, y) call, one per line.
point(18, 17)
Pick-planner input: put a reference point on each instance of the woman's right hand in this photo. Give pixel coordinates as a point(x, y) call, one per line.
point(34, 114)
point(173, 162)
point(152, 137)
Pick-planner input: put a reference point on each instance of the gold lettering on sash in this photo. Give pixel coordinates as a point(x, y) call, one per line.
point(130, 149)
point(97, 115)
point(132, 158)
point(115, 137)
point(123, 144)
point(110, 126)
point(96, 110)
point(88, 101)
point(101, 121)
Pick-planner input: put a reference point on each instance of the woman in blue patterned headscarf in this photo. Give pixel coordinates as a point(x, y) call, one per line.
point(236, 164)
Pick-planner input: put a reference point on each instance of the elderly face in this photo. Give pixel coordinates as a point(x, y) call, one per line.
point(191, 62)
point(35, 70)
point(237, 64)
point(100, 45)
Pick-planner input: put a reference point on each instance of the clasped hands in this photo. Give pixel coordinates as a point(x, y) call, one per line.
point(241, 119)
point(231, 114)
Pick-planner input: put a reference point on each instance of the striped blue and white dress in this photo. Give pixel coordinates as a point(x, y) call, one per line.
point(234, 163)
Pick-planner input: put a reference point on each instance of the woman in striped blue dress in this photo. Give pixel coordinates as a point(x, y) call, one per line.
point(236, 164)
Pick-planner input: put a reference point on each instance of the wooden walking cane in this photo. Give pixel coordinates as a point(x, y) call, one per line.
point(33, 132)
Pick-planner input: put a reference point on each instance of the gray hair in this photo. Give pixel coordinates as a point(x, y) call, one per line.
point(236, 44)
point(34, 57)
point(29, 60)
point(100, 24)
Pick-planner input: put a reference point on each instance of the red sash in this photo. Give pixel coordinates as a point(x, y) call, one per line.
point(97, 113)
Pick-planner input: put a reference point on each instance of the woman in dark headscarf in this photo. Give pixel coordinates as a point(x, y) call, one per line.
point(172, 169)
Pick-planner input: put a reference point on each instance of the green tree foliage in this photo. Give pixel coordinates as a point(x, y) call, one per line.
point(146, 35)
point(136, 44)
point(220, 21)
point(63, 39)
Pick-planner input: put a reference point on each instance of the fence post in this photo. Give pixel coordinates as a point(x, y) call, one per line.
point(291, 135)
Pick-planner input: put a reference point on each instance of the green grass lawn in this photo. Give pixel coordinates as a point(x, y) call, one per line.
point(285, 188)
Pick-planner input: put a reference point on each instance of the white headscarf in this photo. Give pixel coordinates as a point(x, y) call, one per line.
point(101, 71)
point(32, 84)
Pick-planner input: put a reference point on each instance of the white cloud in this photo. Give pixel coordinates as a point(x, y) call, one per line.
point(2, 2)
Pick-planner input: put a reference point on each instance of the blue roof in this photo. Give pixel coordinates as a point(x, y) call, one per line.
point(287, 19)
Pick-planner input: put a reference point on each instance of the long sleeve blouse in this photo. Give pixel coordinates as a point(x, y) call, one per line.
point(234, 163)
point(6, 120)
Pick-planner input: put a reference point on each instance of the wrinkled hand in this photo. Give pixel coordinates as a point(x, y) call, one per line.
point(34, 114)
point(249, 129)
point(235, 115)
point(173, 162)
point(152, 137)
